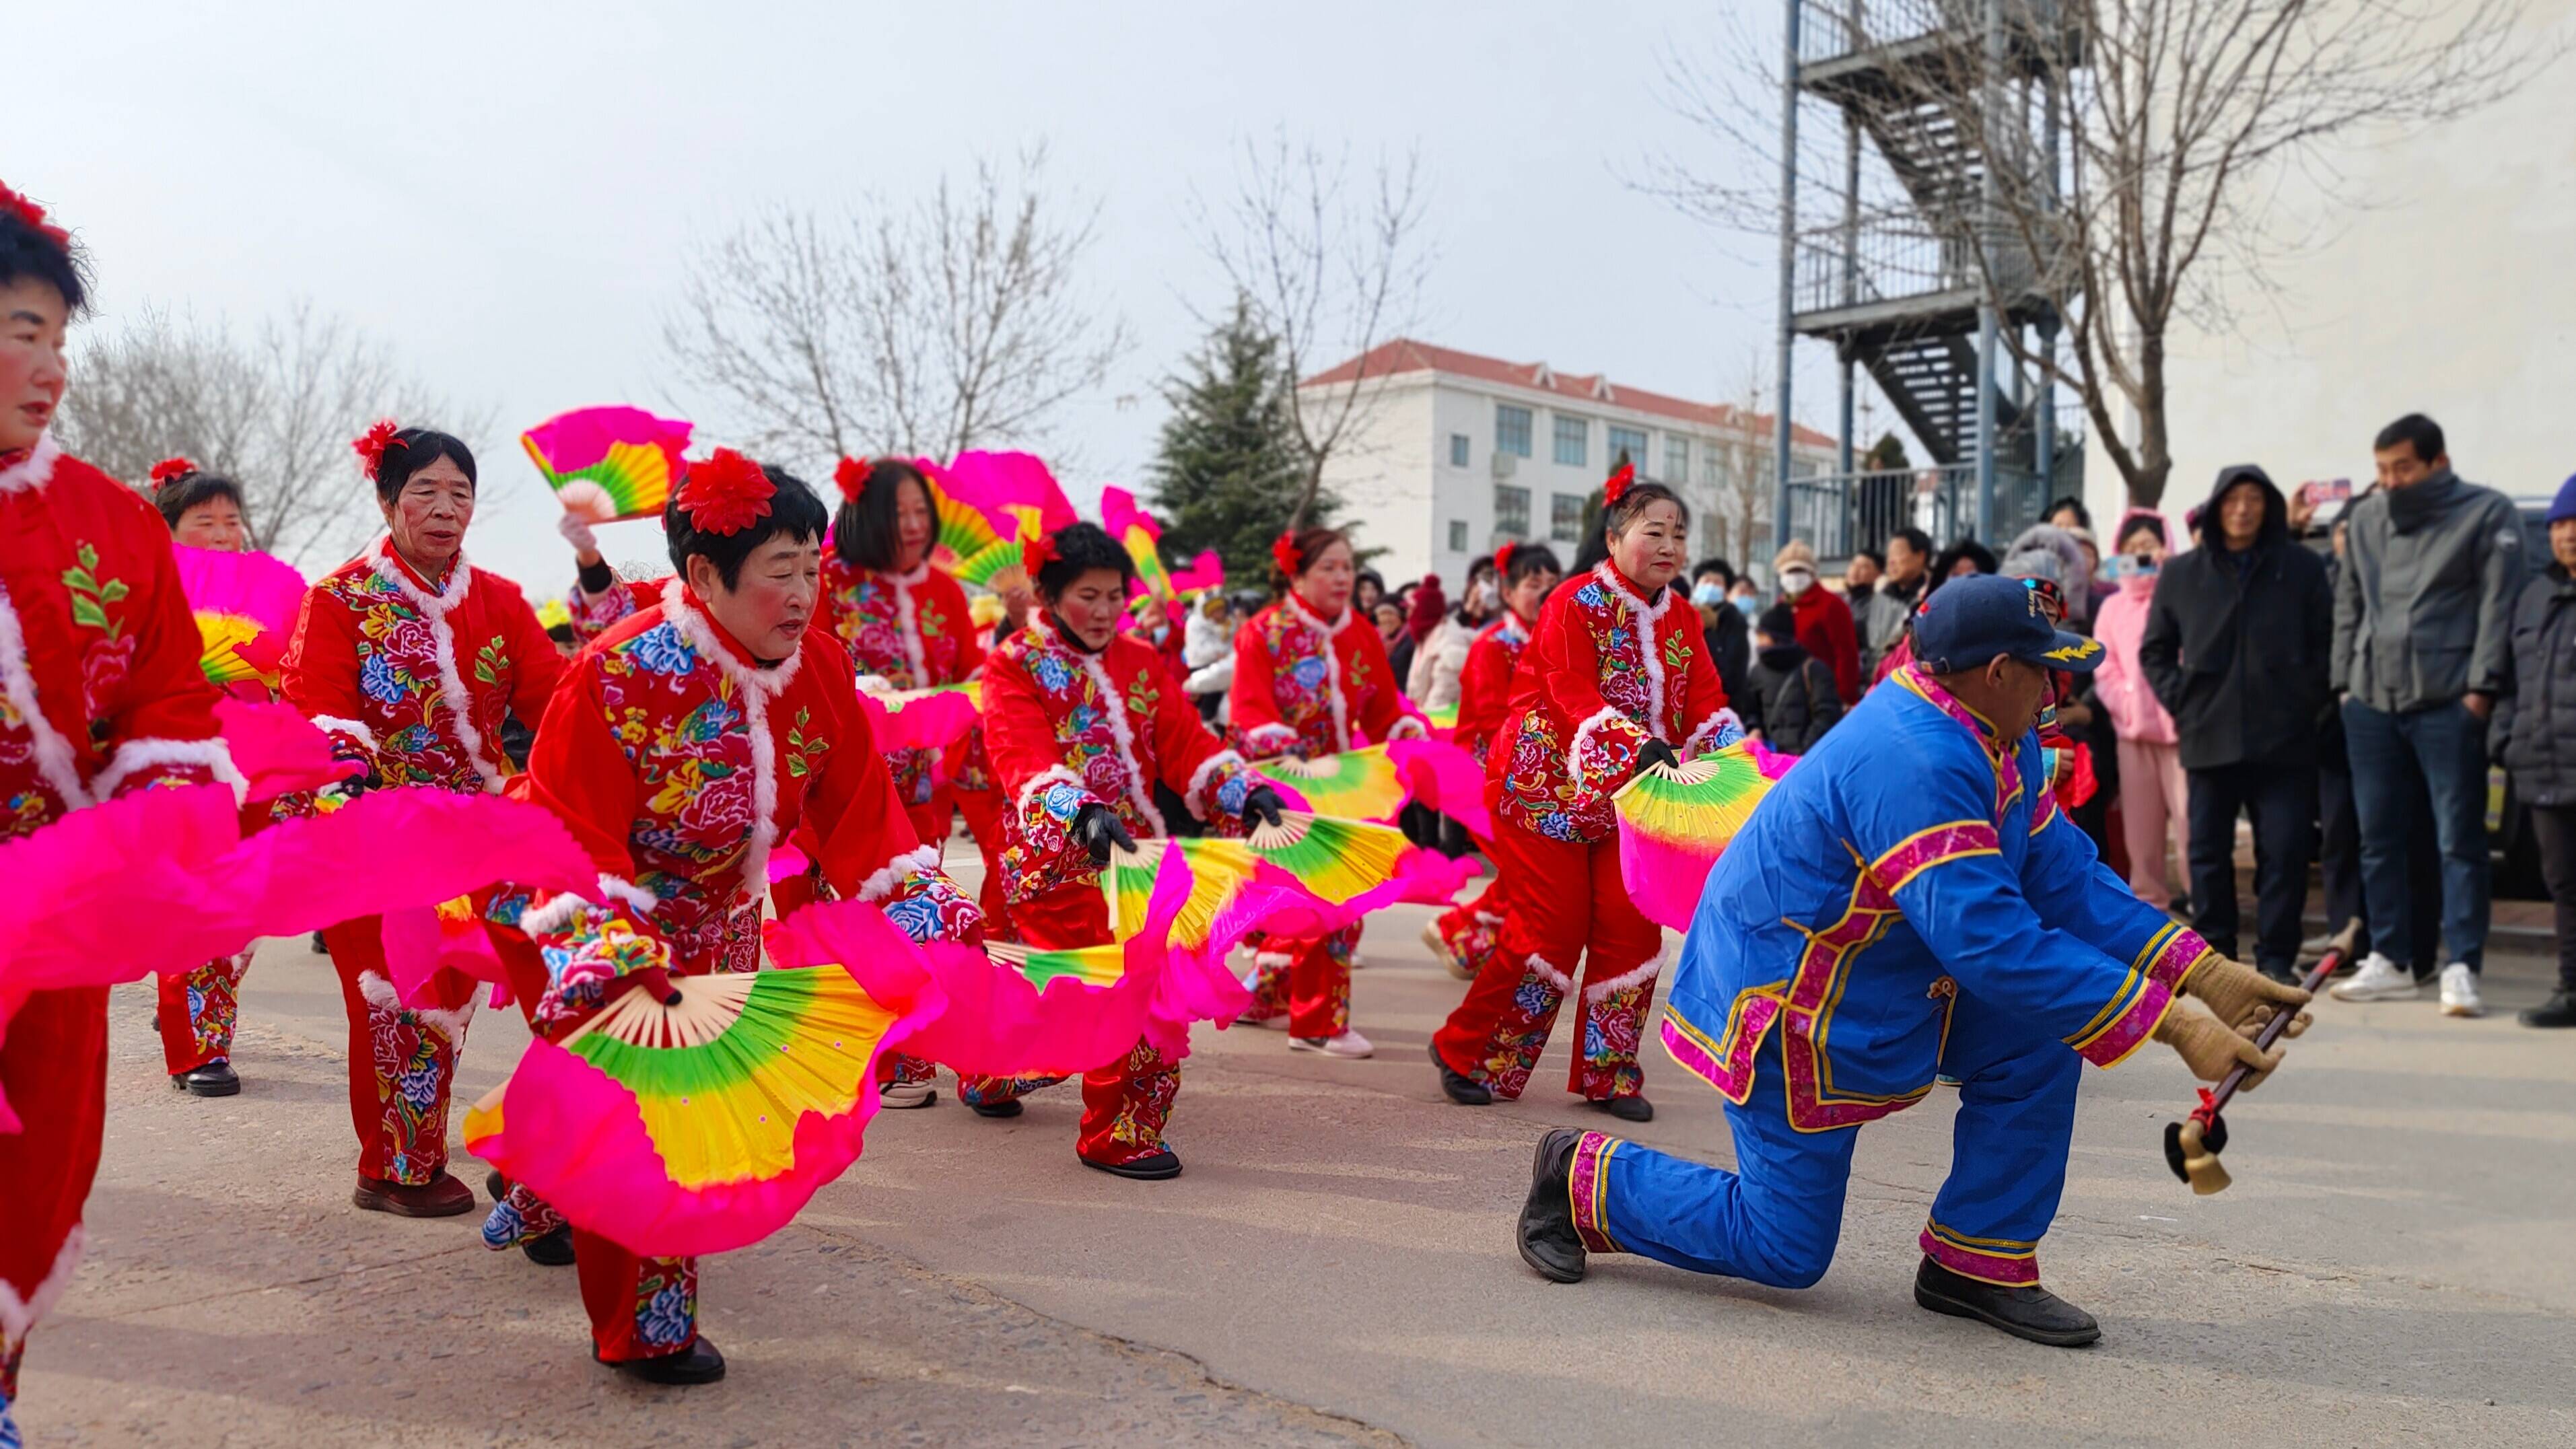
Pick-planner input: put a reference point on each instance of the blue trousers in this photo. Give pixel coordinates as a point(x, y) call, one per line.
point(2441, 750)
point(1778, 1216)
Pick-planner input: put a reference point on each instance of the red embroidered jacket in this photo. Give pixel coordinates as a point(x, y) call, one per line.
point(1068, 728)
point(1604, 672)
point(415, 680)
point(1314, 688)
point(1485, 682)
point(680, 762)
point(101, 691)
point(913, 631)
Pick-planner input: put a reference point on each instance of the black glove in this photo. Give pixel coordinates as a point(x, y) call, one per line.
point(1261, 806)
point(1656, 752)
point(1097, 827)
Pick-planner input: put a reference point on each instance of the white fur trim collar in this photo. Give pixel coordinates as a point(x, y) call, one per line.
point(56, 762)
point(19, 1312)
point(907, 622)
point(1306, 616)
point(451, 679)
point(34, 470)
point(757, 687)
point(1649, 618)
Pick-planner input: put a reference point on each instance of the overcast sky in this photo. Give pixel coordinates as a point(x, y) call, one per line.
point(505, 193)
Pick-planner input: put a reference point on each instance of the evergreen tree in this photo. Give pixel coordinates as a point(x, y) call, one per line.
point(1227, 473)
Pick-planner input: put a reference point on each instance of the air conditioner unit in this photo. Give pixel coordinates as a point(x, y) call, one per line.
point(1505, 463)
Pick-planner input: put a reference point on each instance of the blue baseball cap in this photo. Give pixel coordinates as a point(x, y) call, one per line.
point(1970, 620)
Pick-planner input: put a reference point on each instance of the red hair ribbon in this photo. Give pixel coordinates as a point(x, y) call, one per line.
point(170, 470)
point(1283, 552)
point(726, 493)
point(34, 216)
point(371, 448)
point(1619, 483)
point(852, 475)
point(1037, 553)
point(1503, 558)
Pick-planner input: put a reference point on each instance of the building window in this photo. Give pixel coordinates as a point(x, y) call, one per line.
point(1457, 450)
point(1631, 441)
point(1511, 430)
point(1677, 459)
point(1571, 436)
point(1511, 508)
point(1565, 517)
point(1458, 531)
point(1708, 463)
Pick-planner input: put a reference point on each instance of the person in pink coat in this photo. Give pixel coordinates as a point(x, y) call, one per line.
point(2151, 777)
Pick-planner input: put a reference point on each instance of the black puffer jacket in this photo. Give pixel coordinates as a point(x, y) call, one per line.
point(2237, 645)
point(2534, 732)
point(1791, 697)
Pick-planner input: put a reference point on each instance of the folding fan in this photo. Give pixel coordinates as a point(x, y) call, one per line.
point(608, 463)
point(245, 605)
point(1675, 820)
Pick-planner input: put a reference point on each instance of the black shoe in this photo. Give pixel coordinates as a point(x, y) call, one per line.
point(320, 949)
point(1546, 1231)
point(700, 1364)
point(496, 1185)
point(1161, 1165)
point(1464, 1090)
point(551, 1250)
point(2558, 1010)
point(1009, 1108)
point(2033, 1313)
point(214, 1079)
point(1627, 1109)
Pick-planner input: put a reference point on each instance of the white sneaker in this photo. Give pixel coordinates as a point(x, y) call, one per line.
point(2460, 991)
point(907, 1094)
point(1350, 1046)
point(2379, 979)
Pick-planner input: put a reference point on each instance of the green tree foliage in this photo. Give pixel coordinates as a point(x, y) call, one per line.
point(1226, 474)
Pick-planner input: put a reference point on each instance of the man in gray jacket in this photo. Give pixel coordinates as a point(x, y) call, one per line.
point(2422, 650)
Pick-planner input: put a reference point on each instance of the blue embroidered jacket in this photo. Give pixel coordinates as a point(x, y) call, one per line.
point(1906, 860)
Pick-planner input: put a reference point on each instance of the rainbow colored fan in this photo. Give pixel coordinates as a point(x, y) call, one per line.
point(245, 606)
point(1000, 484)
point(701, 1122)
point(1361, 784)
point(1089, 965)
point(1675, 820)
point(1138, 533)
point(608, 463)
point(1348, 864)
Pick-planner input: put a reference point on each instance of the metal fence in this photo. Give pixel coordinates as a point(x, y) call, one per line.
point(1840, 513)
point(1828, 29)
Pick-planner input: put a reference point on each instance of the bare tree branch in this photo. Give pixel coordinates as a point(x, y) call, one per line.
point(1328, 269)
point(955, 323)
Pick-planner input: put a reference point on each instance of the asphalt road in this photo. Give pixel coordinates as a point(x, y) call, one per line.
point(2396, 1264)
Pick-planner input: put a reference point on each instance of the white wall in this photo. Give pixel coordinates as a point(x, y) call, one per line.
point(2454, 295)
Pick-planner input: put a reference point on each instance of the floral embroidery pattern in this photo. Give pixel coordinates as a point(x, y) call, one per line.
point(108, 659)
point(1612, 1026)
point(415, 1059)
point(214, 1006)
point(1146, 1088)
point(666, 1305)
point(1302, 686)
point(398, 671)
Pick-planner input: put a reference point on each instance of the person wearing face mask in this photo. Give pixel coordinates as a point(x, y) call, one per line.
point(2152, 798)
point(1614, 679)
point(104, 698)
point(1311, 678)
point(409, 658)
point(1824, 621)
point(905, 625)
point(679, 749)
point(1464, 935)
point(1083, 723)
point(1724, 628)
point(1904, 895)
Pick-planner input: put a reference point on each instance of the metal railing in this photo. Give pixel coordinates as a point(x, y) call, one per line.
point(1840, 513)
point(1890, 260)
point(1830, 29)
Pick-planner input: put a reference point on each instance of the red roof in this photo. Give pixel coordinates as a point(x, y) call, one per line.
point(1403, 355)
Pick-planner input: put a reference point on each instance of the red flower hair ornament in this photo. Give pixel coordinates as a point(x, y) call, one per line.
point(371, 448)
point(1037, 553)
point(1283, 552)
point(170, 470)
point(852, 476)
point(33, 215)
point(726, 493)
point(1618, 484)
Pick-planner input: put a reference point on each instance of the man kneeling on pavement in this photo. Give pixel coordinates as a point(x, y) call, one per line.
point(1912, 884)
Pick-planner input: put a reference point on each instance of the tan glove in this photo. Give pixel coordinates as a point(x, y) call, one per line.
point(2240, 995)
point(2211, 1048)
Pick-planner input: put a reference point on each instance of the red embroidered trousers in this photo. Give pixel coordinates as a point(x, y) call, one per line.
point(402, 1060)
point(1125, 1103)
point(1306, 978)
point(1560, 900)
point(983, 812)
point(196, 1013)
point(53, 1070)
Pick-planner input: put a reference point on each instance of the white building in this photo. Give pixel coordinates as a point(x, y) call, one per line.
point(1452, 453)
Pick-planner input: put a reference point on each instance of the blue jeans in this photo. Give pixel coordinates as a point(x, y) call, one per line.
point(2443, 748)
